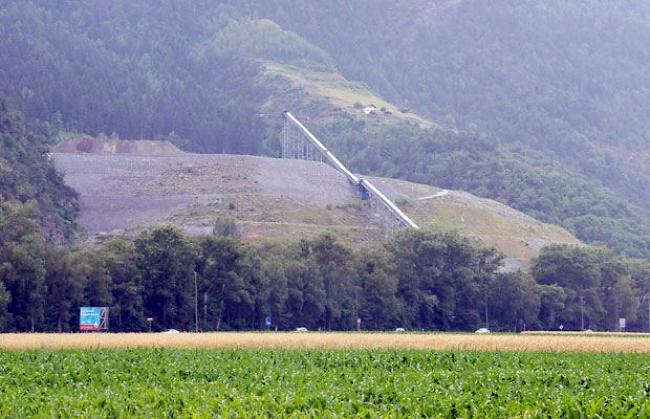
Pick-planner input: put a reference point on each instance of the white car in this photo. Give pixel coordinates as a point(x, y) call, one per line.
point(171, 331)
point(301, 329)
point(482, 330)
point(400, 329)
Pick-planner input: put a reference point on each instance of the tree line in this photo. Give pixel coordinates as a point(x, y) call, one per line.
point(417, 280)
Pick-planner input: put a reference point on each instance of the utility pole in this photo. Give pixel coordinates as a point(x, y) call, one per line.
point(487, 320)
point(647, 297)
point(582, 312)
point(196, 302)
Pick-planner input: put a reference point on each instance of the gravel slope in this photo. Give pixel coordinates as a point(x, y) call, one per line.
point(123, 193)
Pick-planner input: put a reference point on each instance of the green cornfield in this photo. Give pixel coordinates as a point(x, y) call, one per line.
point(321, 383)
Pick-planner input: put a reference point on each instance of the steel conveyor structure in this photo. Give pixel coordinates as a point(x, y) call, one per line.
point(364, 185)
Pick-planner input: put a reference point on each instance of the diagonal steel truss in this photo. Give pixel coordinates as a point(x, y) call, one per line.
point(299, 143)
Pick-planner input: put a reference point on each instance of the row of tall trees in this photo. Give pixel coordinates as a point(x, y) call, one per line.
point(418, 280)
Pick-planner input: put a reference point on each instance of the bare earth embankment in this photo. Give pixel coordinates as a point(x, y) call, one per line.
point(126, 188)
point(291, 340)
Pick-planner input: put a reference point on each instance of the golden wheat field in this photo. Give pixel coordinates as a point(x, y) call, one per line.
point(289, 340)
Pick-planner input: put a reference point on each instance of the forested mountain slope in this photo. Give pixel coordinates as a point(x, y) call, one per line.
point(566, 77)
point(30, 187)
point(138, 69)
point(564, 80)
point(538, 105)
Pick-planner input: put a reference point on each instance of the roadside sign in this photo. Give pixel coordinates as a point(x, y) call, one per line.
point(93, 319)
point(267, 321)
point(149, 321)
point(621, 323)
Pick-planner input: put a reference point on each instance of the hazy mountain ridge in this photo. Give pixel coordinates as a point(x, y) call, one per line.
point(551, 103)
point(516, 108)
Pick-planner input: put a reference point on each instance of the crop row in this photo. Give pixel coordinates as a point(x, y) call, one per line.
point(164, 382)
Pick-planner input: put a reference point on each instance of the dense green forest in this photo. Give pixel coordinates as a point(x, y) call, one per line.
point(417, 280)
point(142, 69)
point(28, 177)
point(527, 181)
point(565, 78)
point(556, 89)
point(543, 104)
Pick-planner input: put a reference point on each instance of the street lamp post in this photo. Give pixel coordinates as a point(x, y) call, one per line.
point(487, 320)
point(149, 320)
point(582, 312)
point(196, 302)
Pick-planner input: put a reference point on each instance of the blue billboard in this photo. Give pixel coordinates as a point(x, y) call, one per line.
point(93, 318)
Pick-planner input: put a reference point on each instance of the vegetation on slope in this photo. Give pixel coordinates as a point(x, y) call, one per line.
point(140, 69)
point(558, 87)
point(475, 162)
point(29, 179)
point(564, 78)
point(539, 109)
